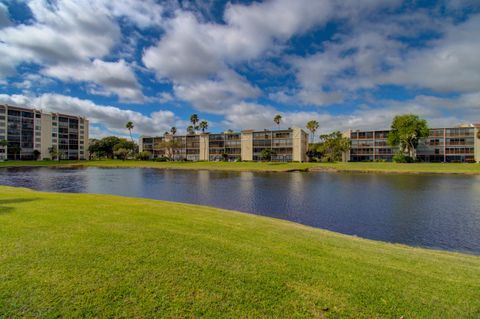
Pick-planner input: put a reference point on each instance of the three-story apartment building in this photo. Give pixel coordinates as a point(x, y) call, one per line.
point(450, 144)
point(287, 145)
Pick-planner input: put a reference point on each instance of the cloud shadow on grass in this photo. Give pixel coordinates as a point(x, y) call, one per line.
point(5, 204)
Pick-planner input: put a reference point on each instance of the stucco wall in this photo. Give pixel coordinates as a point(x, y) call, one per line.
point(247, 146)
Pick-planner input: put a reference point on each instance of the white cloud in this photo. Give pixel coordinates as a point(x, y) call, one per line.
point(191, 53)
point(449, 64)
point(144, 13)
point(217, 95)
point(112, 77)
point(438, 112)
point(185, 52)
point(32, 81)
point(70, 39)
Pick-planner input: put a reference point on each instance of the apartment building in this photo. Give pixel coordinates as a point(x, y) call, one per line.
point(288, 145)
point(453, 144)
point(31, 133)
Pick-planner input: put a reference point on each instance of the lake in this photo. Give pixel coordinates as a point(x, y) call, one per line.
point(437, 211)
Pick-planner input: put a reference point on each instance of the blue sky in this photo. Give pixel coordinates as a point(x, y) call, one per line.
point(348, 64)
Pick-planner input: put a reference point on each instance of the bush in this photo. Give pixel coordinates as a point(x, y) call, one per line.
point(161, 159)
point(143, 156)
point(402, 158)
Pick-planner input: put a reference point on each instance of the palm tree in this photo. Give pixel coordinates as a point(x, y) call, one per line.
point(194, 119)
point(129, 127)
point(15, 149)
point(203, 126)
point(173, 130)
point(312, 126)
point(277, 119)
point(190, 130)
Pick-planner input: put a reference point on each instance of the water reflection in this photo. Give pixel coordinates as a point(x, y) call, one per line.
point(424, 210)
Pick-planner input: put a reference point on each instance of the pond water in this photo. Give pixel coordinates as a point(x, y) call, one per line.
point(438, 211)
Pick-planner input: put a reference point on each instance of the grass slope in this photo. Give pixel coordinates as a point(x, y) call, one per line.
point(267, 166)
point(82, 255)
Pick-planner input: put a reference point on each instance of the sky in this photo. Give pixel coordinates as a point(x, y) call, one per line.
point(347, 64)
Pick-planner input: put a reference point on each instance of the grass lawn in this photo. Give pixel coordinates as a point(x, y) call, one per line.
point(267, 166)
point(82, 255)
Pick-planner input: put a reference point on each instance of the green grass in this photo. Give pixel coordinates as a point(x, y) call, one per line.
point(451, 168)
point(83, 255)
point(267, 166)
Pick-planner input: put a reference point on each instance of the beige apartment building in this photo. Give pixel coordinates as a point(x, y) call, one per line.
point(287, 145)
point(31, 133)
point(449, 144)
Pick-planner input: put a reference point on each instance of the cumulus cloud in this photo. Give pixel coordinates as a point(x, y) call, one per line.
point(71, 45)
point(217, 95)
point(112, 77)
point(438, 112)
point(449, 64)
point(192, 52)
point(144, 14)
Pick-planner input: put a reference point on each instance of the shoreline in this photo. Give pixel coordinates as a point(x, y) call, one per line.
point(262, 217)
point(268, 167)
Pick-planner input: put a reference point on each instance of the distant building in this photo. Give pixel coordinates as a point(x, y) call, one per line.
point(30, 133)
point(454, 144)
point(288, 145)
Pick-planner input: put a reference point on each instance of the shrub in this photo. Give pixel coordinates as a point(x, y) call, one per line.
point(402, 158)
point(161, 159)
point(143, 156)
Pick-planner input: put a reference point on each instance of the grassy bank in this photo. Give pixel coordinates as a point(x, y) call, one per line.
point(81, 255)
point(451, 168)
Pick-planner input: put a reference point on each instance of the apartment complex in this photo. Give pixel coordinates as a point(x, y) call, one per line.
point(287, 145)
point(31, 133)
point(455, 144)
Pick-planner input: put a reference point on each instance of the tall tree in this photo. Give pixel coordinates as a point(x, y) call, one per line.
point(170, 147)
point(406, 131)
point(53, 152)
point(330, 148)
point(194, 120)
point(203, 126)
point(277, 119)
point(129, 127)
point(15, 149)
point(312, 126)
point(122, 153)
point(267, 154)
point(173, 130)
point(36, 154)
